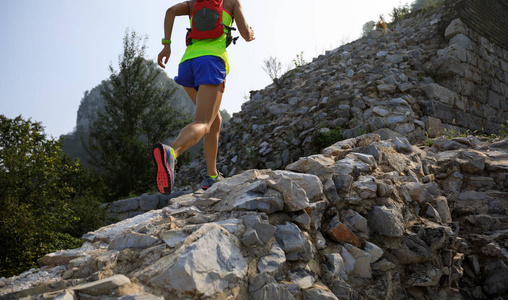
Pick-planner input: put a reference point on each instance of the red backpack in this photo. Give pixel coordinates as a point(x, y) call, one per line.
point(207, 21)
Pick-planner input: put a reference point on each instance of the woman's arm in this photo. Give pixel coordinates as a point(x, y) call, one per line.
point(245, 30)
point(179, 9)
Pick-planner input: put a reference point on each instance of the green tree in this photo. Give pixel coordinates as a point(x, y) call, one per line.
point(425, 4)
point(138, 113)
point(225, 116)
point(398, 13)
point(48, 200)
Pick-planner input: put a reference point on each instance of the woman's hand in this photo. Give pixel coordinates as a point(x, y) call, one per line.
point(251, 35)
point(164, 56)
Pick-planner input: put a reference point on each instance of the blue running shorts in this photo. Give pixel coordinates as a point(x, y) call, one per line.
point(201, 70)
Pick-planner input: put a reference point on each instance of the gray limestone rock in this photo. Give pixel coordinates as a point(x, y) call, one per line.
point(309, 183)
point(209, 262)
point(148, 202)
point(125, 205)
point(272, 263)
point(258, 231)
point(264, 286)
point(295, 197)
point(302, 278)
point(318, 294)
point(455, 27)
point(386, 221)
point(319, 165)
point(435, 91)
point(336, 265)
point(294, 243)
point(103, 286)
point(133, 240)
point(443, 209)
point(366, 187)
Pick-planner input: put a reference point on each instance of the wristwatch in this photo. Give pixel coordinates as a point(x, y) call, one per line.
point(164, 41)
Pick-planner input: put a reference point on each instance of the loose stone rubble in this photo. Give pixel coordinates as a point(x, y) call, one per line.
point(366, 219)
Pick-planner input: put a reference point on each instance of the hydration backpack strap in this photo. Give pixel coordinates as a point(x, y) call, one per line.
point(229, 36)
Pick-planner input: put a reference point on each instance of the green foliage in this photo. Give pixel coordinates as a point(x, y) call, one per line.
point(503, 132)
point(138, 114)
point(225, 116)
point(425, 4)
point(299, 60)
point(368, 27)
point(451, 134)
point(325, 137)
point(398, 13)
point(47, 199)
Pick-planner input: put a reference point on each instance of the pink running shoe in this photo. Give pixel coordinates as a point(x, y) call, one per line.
point(165, 168)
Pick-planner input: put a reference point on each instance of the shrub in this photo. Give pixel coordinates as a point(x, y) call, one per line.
point(48, 200)
point(325, 137)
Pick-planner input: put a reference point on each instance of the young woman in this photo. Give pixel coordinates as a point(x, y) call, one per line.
point(202, 72)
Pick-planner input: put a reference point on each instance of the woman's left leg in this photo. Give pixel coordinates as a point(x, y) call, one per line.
point(208, 100)
point(211, 140)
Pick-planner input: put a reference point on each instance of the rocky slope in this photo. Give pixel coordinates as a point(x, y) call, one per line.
point(427, 74)
point(372, 83)
point(366, 219)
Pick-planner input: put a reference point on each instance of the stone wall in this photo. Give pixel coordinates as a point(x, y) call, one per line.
point(471, 73)
point(132, 207)
point(488, 18)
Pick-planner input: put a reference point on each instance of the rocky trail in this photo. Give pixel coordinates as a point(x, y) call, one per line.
point(366, 219)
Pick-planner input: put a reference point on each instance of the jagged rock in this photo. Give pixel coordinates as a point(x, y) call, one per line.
point(362, 262)
point(103, 286)
point(294, 243)
point(175, 237)
point(366, 187)
point(336, 265)
point(455, 27)
point(258, 232)
point(425, 275)
point(318, 294)
point(355, 220)
point(496, 281)
point(295, 197)
point(386, 221)
point(443, 209)
point(374, 251)
point(58, 258)
point(264, 286)
point(258, 197)
point(272, 263)
point(349, 260)
point(309, 183)
point(319, 165)
point(133, 240)
point(193, 272)
point(341, 233)
point(302, 278)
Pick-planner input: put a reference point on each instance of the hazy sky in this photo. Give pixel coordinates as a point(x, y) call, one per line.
point(52, 51)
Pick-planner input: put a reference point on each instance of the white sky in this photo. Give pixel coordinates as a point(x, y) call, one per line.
point(52, 51)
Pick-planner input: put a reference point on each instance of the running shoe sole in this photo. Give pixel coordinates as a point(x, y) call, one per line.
point(163, 176)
